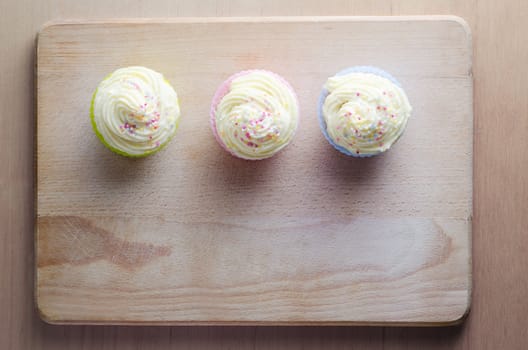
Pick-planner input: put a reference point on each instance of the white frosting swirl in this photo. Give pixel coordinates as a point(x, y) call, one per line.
point(365, 113)
point(135, 111)
point(258, 116)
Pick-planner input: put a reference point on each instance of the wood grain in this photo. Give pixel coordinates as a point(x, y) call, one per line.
point(193, 235)
point(499, 308)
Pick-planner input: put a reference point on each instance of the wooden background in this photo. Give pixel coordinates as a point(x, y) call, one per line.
point(500, 241)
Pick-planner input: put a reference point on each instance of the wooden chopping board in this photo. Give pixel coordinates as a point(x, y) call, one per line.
point(192, 235)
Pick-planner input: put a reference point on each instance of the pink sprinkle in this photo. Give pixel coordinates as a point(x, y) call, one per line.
point(384, 108)
point(357, 94)
point(248, 135)
point(150, 137)
point(157, 144)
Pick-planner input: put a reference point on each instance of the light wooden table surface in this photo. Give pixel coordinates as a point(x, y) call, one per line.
point(498, 319)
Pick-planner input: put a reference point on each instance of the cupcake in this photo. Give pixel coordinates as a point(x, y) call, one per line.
point(254, 114)
point(135, 111)
point(363, 111)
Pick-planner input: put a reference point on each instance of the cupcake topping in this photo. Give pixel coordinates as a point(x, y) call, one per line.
point(364, 113)
point(135, 110)
point(258, 116)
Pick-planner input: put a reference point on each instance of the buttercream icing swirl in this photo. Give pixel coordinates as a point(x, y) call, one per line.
point(135, 111)
point(364, 113)
point(258, 115)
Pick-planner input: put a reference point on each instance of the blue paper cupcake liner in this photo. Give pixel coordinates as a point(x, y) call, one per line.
point(324, 94)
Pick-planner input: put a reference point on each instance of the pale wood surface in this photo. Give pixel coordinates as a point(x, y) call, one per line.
point(500, 290)
point(193, 235)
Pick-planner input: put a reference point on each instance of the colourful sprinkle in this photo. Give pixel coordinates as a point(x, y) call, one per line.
point(134, 84)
